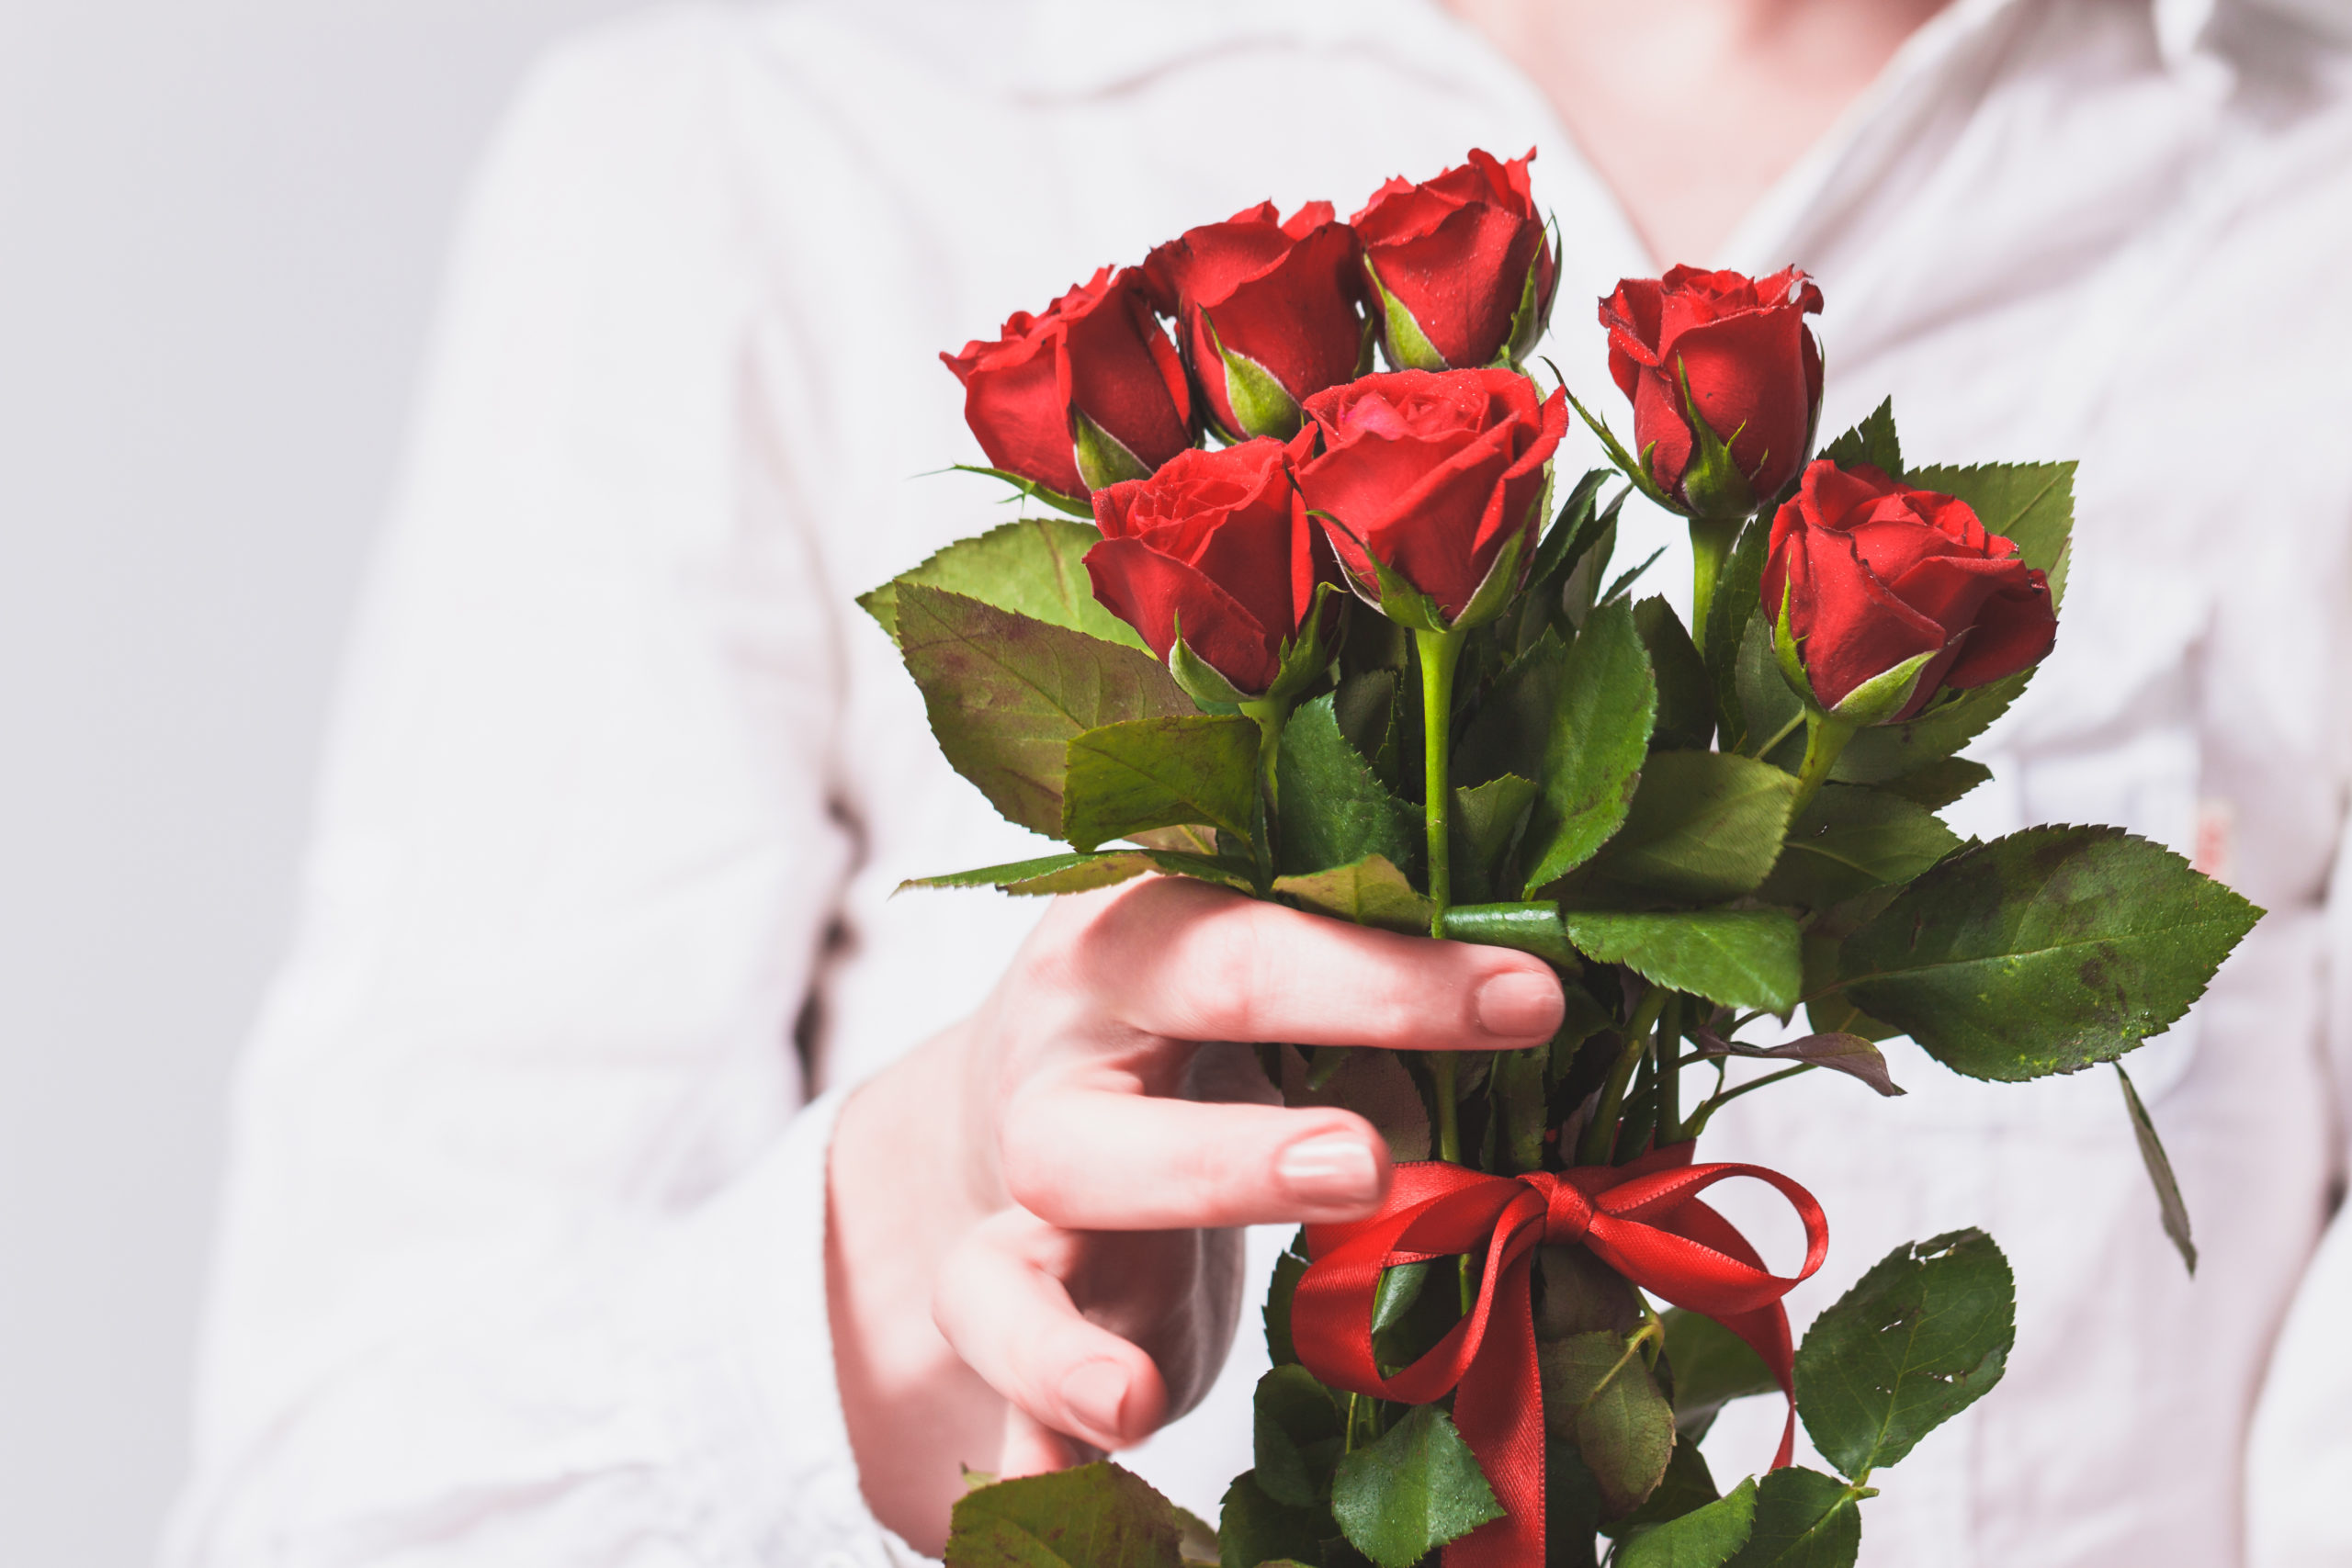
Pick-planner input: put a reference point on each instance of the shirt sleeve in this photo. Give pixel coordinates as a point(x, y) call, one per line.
point(523, 1250)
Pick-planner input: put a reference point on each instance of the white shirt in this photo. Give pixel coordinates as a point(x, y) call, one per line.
point(522, 1261)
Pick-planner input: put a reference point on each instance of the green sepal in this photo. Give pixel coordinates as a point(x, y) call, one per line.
point(1634, 468)
point(1401, 338)
point(1791, 659)
point(1076, 505)
point(1103, 458)
point(1882, 696)
point(1530, 316)
point(1713, 486)
point(1202, 681)
point(1262, 405)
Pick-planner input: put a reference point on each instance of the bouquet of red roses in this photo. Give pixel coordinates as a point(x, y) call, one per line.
point(1359, 657)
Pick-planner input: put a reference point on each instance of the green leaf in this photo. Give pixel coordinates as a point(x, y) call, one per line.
point(1096, 1515)
point(1873, 442)
point(1036, 567)
point(2044, 952)
point(1130, 777)
point(1598, 734)
point(1371, 1083)
point(1296, 1436)
point(2030, 504)
point(1848, 839)
point(1575, 532)
point(1371, 892)
point(1688, 1486)
point(1508, 732)
point(1599, 1394)
point(2152, 1155)
point(1516, 1087)
point(1288, 1269)
point(1046, 874)
point(1486, 822)
point(1364, 707)
point(1686, 696)
point(1840, 1052)
point(1742, 958)
point(1705, 826)
point(1414, 1490)
point(1253, 1530)
point(1737, 605)
point(1706, 1538)
point(1333, 811)
point(1925, 1335)
point(1804, 1520)
point(1767, 705)
point(1937, 785)
point(1007, 693)
point(1711, 1366)
point(1891, 750)
point(1530, 928)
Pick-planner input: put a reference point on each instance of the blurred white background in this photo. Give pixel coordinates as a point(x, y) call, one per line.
point(221, 224)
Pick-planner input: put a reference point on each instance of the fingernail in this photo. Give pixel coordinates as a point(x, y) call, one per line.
point(1519, 1005)
point(1330, 1168)
point(1095, 1392)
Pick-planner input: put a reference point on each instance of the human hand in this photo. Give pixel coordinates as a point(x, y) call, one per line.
point(1033, 1249)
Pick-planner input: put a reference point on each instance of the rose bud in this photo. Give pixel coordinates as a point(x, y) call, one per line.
point(1086, 395)
point(1435, 477)
point(1266, 313)
point(1729, 353)
point(1461, 269)
point(1867, 575)
point(1215, 549)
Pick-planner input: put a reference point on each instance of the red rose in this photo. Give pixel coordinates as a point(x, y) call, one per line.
point(1086, 395)
point(1216, 547)
point(1754, 371)
point(1876, 574)
point(1432, 473)
point(1266, 313)
point(1461, 269)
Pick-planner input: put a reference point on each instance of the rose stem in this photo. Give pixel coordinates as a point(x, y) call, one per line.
point(1710, 542)
point(1437, 653)
point(1722, 1098)
point(1601, 1137)
point(1270, 716)
point(1670, 1075)
point(1825, 739)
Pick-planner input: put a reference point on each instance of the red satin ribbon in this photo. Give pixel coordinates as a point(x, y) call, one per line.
point(1643, 1220)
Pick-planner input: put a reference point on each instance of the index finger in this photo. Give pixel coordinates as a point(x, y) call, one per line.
point(1180, 959)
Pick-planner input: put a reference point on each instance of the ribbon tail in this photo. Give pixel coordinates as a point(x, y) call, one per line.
point(1498, 1410)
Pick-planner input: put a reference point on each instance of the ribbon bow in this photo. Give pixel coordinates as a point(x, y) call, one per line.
point(1643, 1220)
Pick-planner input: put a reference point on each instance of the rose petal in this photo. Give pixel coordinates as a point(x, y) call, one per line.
point(1154, 593)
